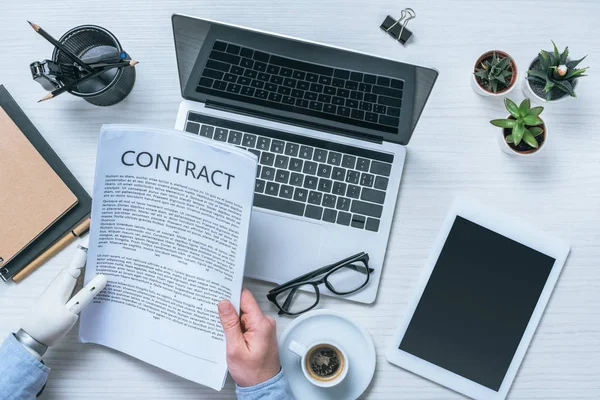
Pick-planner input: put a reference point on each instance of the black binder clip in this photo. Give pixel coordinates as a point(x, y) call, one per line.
point(50, 74)
point(397, 29)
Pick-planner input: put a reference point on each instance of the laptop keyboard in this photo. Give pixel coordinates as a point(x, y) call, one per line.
point(350, 97)
point(305, 176)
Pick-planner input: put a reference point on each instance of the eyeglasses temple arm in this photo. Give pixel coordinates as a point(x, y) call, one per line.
point(361, 270)
point(316, 272)
point(289, 299)
point(304, 277)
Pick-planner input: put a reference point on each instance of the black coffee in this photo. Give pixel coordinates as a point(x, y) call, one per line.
point(324, 362)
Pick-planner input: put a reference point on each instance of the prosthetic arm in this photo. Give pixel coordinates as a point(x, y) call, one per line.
point(53, 315)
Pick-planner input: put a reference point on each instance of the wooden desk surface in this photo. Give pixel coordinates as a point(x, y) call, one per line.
point(453, 152)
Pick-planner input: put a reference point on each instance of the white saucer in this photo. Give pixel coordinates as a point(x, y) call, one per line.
point(323, 325)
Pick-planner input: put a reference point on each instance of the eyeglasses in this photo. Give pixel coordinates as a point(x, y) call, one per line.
point(342, 278)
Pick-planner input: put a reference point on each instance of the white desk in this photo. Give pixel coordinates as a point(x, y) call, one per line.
point(452, 153)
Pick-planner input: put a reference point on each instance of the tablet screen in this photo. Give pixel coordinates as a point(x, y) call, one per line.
point(477, 303)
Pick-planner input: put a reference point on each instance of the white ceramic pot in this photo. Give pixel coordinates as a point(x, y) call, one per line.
point(529, 93)
point(482, 92)
point(509, 150)
point(477, 89)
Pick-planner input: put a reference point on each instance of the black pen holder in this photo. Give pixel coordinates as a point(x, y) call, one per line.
point(111, 86)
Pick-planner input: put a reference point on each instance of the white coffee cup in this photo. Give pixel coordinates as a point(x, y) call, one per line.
point(307, 351)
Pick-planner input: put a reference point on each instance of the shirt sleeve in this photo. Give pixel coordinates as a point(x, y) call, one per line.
point(276, 388)
point(22, 376)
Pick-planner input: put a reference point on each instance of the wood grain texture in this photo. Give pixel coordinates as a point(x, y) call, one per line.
point(453, 152)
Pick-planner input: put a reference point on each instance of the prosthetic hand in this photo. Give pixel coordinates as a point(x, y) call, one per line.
point(52, 316)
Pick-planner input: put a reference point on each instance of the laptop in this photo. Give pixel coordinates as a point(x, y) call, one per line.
point(329, 127)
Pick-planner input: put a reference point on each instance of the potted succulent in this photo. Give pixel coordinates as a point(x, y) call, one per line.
point(523, 132)
point(495, 74)
point(552, 76)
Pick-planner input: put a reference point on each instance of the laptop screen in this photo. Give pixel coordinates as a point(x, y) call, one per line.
point(299, 82)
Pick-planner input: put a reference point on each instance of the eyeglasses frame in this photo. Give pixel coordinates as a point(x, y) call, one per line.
point(310, 279)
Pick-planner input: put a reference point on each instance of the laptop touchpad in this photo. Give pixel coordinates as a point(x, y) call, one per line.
point(274, 253)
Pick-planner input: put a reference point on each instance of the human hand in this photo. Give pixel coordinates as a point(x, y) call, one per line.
point(252, 352)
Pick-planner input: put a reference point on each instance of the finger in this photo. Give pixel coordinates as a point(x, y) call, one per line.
point(245, 323)
point(230, 321)
point(87, 294)
point(249, 307)
point(256, 324)
point(271, 321)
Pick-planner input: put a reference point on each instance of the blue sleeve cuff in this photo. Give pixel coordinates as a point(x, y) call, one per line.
point(276, 388)
point(22, 376)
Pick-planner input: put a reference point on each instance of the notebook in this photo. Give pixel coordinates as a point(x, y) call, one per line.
point(58, 216)
point(34, 197)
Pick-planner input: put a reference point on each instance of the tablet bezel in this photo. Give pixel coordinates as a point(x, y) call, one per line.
point(514, 229)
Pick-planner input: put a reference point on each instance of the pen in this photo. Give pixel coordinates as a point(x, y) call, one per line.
point(60, 46)
point(86, 295)
point(112, 57)
point(76, 232)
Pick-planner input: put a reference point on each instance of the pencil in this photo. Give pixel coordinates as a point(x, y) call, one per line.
point(74, 84)
point(60, 46)
point(119, 64)
point(51, 251)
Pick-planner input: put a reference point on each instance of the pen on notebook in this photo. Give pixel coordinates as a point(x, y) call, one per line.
point(74, 84)
point(73, 234)
point(60, 46)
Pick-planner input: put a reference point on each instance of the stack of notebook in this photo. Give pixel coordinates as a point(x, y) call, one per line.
point(41, 200)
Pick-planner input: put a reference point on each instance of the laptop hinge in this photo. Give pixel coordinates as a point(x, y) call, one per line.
point(290, 120)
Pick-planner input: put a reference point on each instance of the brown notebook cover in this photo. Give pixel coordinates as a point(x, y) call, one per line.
point(33, 196)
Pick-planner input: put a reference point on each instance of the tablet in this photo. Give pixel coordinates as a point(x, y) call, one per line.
point(479, 301)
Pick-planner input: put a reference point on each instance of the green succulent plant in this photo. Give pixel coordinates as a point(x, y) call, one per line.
point(556, 70)
point(525, 123)
point(495, 74)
